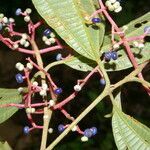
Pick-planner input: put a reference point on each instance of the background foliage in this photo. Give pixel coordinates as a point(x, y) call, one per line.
point(134, 97)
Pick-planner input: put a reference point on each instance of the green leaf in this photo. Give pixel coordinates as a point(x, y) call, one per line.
point(129, 133)
point(79, 63)
point(123, 61)
point(4, 146)
point(67, 18)
point(8, 96)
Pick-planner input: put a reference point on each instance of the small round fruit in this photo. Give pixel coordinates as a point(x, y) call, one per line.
point(102, 81)
point(88, 133)
point(114, 55)
point(58, 91)
point(47, 32)
point(107, 56)
point(59, 57)
point(26, 130)
point(19, 78)
point(61, 128)
point(94, 130)
point(147, 29)
point(96, 20)
point(18, 11)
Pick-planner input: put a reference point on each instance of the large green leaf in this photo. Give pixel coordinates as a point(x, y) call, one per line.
point(123, 61)
point(4, 146)
point(135, 28)
point(129, 133)
point(67, 18)
point(8, 96)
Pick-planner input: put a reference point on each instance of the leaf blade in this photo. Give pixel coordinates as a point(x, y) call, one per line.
point(129, 133)
point(8, 96)
point(65, 17)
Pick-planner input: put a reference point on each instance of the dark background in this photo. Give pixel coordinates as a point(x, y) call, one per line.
point(135, 100)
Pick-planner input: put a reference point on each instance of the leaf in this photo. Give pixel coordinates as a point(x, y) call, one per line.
point(129, 133)
point(4, 146)
point(79, 63)
point(123, 61)
point(8, 96)
point(67, 18)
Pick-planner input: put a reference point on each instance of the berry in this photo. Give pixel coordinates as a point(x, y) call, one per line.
point(114, 55)
point(88, 133)
point(84, 139)
point(26, 130)
point(96, 20)
point(61, 128)
point(107, 56)
point(94, 130)
point(27, 18)
point(118, 9)
point(19, 78)
point(147, 29)
point(47, 32)
point(18, 12)
point(58, 56)
point(77, 88)
point(58, 91)
point(1, 26)
point(102, 81)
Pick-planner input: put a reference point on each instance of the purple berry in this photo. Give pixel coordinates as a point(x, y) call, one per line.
point(102, 81)
point(114, 55)
point(18, 11)
point(26, 130)
point(47, 32)
point(96, 20)
point(19, 78)
point(107, 56)
point(61, 128)
point(94, 130)
point(147, 29)
point(88, 133)
point(58, 91)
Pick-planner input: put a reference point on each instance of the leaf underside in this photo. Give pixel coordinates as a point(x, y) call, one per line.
point(8, 96)
point(129, 133)
point(141, 56)
point(67, 18)
point(123, 61)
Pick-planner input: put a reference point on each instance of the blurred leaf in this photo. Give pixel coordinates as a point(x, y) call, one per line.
point(4, 146)
point(67, 18)
point(135, 28)
point(8, 96)
point(129, 133)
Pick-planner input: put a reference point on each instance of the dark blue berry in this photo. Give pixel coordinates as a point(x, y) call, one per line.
point(88, 133)
point(58, 91)
point(26, 130)
point(107, 56)
point(94, 130)
point(114, 55)
point(47, 32)
point(61, 128)
point(18, 11)
point(19, 78)
point(102, 81)
point(96, 20)
point(147, 29)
